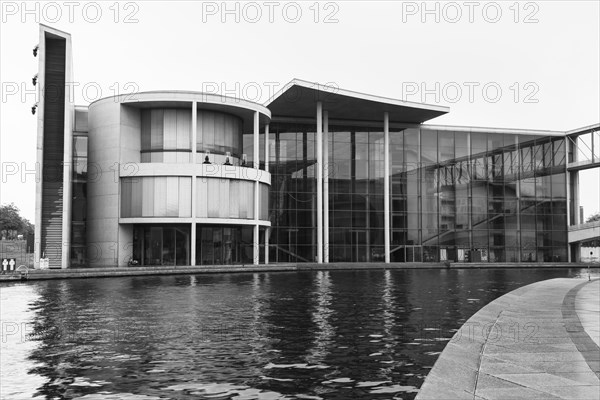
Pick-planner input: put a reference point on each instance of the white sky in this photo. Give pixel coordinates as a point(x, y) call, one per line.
point(381, 48)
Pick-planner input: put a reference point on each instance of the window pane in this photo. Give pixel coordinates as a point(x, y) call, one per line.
point(185, 197)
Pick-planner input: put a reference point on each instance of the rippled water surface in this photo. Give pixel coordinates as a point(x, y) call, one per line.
point(307, 335)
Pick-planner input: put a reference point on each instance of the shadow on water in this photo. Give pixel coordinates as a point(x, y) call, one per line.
point(310, 335)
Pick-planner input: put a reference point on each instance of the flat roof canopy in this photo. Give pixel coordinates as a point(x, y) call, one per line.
point(298, 99)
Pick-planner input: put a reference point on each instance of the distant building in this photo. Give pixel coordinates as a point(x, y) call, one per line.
point(314, 175)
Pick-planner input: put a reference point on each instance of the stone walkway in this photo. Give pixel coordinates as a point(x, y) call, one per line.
point(76, 273)
point(537, 342)
point(587, 305)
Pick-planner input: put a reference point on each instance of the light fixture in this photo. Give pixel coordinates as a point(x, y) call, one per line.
point(244, 160)
point(34, 108)
point(35, 50)
point(227, 155)
point(206, 158)
point(34, 79)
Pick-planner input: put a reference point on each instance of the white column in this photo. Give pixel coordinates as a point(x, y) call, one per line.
point(325, 186)
point(267, 148)
point(319, 165)
point(194, 149)
point(267, 233)
point(575, 183)
point(256, 137)
point(255, 244)
point(267, 230)
point(386, 185)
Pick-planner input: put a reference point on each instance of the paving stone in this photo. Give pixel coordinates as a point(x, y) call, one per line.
point(500, 367)
point(538, 380)
point(551, 355)
point(581, 377)
point(516, 393)
point(494, 382)
point(574, 392)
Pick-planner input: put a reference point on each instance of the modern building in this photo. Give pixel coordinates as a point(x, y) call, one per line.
point(314, 175)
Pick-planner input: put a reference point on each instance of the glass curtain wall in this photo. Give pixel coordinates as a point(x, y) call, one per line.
point(219, 136)
point(455, 195)
point(156, 196)
point(489, 197)
point(166, 135)
point(224, 245)
point(161, 245)
point(292, 209)
point(79, 190)
point(355, 195)
point(79, 202)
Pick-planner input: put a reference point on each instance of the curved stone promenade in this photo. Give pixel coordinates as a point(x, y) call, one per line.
point(537, 342)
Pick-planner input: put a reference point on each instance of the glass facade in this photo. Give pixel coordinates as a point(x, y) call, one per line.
point(356, 218)
point(156, 196)
point(224, 245)
point(219, 134)
point(166, 135)
point(79, 201)
point(79, 179)
point(512, 198)
point(473, 196)
point(224, 198)
point(454, 195)
point(293, 198)
point(164, 245)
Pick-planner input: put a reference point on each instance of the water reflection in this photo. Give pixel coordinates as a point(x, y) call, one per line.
point(329, 335)
point(321, 315)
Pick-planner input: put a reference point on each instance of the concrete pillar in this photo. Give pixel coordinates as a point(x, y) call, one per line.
point(575, 185)
point(267, 148)
point(325, 186)
point(319, 165)
point(255, 244)
point(256, 137)
point(568, 184)
point(386, 185)
point(267, 233)
point(194, 149)
point(267, 230)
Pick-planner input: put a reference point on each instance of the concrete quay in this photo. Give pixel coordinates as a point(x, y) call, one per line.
point(70, 273)
point(540, 341)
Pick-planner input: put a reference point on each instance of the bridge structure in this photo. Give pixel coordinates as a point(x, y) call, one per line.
point(583, 153)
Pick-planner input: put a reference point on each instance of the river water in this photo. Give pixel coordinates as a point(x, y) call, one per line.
point(299, 335)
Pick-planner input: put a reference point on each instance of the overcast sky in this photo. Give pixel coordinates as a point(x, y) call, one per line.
point(503, 64)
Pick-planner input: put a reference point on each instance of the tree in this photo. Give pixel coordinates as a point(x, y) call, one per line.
point(28, 227)
point(593, 217)
point(11, 222)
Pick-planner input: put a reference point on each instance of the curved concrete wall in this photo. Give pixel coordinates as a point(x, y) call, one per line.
point(104, 154)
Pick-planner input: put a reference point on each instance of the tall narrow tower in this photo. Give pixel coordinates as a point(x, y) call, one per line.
point(54, 148)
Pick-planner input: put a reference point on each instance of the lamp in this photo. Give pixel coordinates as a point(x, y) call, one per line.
point(244, 160)
point(206, 157)
point(227, 155)
point(34, 79)
point(34, 108)
point(35, 50)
